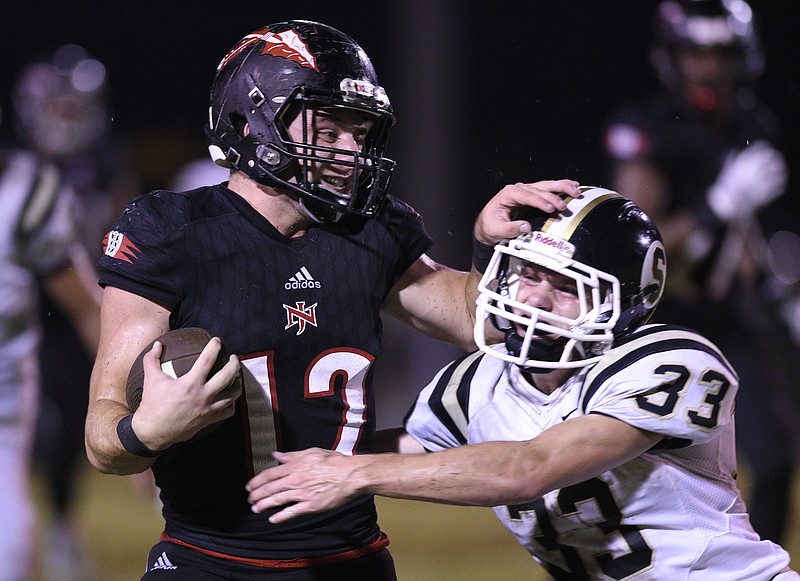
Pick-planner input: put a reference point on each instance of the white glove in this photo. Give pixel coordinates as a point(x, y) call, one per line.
point(749, 179)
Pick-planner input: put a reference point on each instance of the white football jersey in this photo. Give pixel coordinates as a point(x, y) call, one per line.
point(37, 231)
point(673, 513)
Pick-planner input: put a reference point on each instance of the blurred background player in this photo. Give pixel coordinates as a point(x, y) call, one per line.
point(197, 173)
point(702, 159)
point(62, 113)
point(38, 246)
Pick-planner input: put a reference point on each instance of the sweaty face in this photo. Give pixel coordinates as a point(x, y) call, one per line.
point(547, 291)
point(338, 135)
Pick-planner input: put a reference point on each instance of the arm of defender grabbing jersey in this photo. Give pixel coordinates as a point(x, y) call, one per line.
point(171, 410)
point(440, 301)
point(485, 474)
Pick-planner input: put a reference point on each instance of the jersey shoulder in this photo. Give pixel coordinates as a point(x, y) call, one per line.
point(30, 188)
point(177, 208)
point(666, 379)
point(440, 416)
point(641, 130)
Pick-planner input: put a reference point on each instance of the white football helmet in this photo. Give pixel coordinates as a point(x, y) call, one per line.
point(615, 254)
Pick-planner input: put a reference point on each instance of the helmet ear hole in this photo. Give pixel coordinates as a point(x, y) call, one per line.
point(239, 124)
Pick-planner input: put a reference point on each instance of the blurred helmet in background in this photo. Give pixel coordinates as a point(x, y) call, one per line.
point(706, 51)
point(60, 104)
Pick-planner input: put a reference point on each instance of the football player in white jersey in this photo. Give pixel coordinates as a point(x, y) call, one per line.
point(38, 242)
point(605, 444)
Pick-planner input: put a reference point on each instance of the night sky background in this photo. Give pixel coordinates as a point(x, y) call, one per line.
point(486, 93)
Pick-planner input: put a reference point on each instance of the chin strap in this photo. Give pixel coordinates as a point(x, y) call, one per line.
point(539, 350)
point(318, 212)
point(315, 210)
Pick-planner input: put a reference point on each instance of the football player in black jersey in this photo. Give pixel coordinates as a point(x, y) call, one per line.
point(291, 262)
point(702, 157)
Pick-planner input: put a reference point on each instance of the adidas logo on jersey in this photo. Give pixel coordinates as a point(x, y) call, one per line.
point(163, 562)
point(302, 279)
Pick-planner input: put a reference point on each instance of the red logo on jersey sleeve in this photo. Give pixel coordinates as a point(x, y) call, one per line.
point(119, 246)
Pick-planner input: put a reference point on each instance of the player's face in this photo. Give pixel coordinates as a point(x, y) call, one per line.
point(709, 75)
point(548, 291)
point(336, 128)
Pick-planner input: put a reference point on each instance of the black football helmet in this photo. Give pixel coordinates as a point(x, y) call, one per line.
point(722, 25)
point(300, 64)
point(613, 251)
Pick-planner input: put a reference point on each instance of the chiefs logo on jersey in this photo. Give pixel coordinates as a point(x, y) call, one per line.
point(286, 44)
point(117, 245)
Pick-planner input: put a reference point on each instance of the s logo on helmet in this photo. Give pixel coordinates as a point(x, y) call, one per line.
point(654, 274)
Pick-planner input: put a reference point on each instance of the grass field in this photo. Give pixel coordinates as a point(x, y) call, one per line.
point(429, 542)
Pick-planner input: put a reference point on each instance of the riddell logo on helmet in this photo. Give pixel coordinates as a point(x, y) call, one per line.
point(555, 243)
point(551, 246)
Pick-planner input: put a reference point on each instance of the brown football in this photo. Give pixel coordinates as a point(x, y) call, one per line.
point(181, 348)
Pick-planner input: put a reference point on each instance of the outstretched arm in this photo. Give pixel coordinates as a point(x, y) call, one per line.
point(485, 474)
point(440, 301)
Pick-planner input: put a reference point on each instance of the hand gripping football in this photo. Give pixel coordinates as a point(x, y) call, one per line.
point(181, 348)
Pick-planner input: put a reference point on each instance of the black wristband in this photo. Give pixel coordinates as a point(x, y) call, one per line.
point(481, 254)
point(130, 441)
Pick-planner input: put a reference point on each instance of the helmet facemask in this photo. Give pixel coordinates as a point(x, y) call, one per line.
point(578, 341)
point(369, 173)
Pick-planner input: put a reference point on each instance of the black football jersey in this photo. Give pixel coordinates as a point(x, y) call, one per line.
point(689, 148)
point(690, 152)
point(303, 315)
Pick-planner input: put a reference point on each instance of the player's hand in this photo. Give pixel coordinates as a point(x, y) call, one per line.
point(498, 219)
point(305, 482)
point(174, 410)
point(749, 179)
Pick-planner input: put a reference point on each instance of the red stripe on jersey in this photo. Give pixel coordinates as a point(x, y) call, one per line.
point(380, 543)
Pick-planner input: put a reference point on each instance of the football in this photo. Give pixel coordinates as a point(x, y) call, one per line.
point(181, 348)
